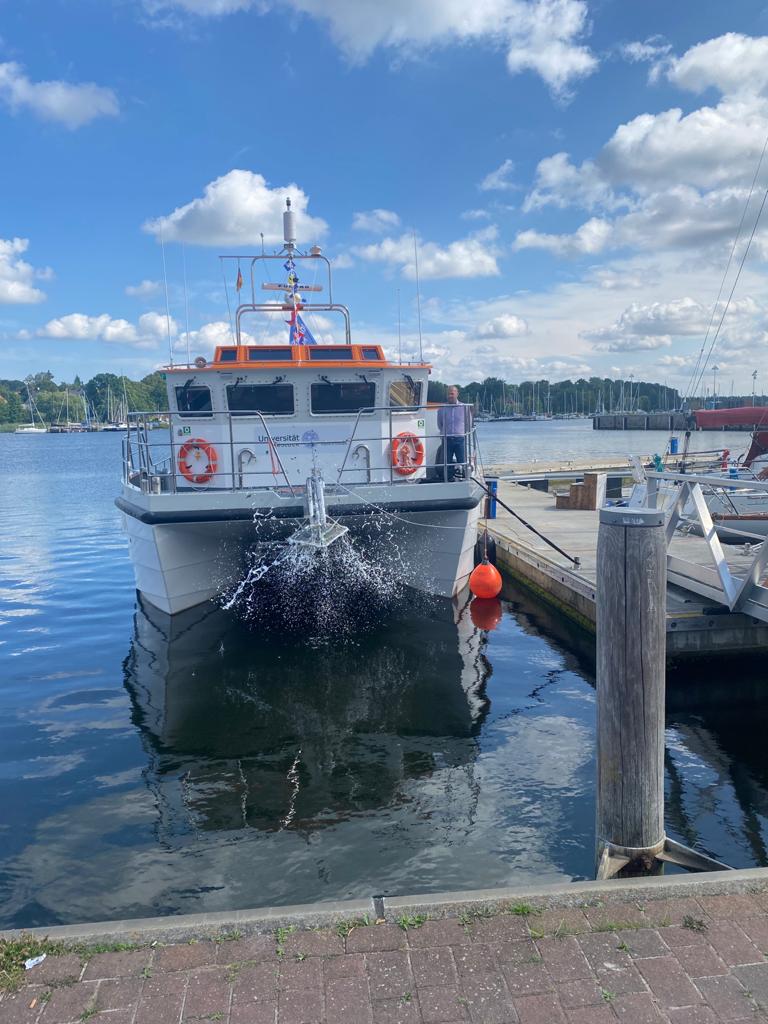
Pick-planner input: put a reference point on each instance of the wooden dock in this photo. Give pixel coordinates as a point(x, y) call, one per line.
point(694, 625)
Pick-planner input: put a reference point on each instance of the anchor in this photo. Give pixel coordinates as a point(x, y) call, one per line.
point(319, 531)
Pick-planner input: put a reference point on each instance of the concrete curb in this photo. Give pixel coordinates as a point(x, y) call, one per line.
point(182, 927)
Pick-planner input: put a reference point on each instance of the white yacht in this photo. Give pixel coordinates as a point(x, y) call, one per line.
point(296, 443)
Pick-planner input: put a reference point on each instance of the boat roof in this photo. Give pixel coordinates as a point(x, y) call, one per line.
point(239, 357)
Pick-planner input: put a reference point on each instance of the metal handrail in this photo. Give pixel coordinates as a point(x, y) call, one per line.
point(148, 467)
point(310, 307)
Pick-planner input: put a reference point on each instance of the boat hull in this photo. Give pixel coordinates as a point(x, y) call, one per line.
point(179, 565)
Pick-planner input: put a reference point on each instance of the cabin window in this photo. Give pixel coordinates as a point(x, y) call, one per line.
point(228, 355)
point(372, 353)
point(342, 352)
point(193, 400)
point(270, 355)
point(268, 399)
point(351, 396)
point(404, 394)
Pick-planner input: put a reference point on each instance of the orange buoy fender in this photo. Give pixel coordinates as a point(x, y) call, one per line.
point(407, 453)
point(198, 461)
point(485, 612)
point(485, 581)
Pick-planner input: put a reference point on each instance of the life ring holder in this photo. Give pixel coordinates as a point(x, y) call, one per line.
point(407, 453)
point(202, 448)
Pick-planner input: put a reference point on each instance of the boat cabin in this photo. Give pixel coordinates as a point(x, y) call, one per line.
point(265, 415)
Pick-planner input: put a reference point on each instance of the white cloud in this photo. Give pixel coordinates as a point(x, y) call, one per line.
point(732, 63)
point(633, 344)
point(710, 146)
point(16, 275)
point(652, 49)
point(499, 180)
point(592, 237)
point(682, 178)
point(151, 328)
point(377, 221)
point(143, 289)
point(543, 39)
point(70, 105)
point(234, 209)
point(475, 215)
point(474, 256)
point(681, 316)
point(560, 183)
point(654, 325)
point(674, 361)
point(505, 326)
point(203, 8)
point(207, 337)
point(543, 36)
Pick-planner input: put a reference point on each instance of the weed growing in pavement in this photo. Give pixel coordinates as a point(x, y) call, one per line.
point(607, 995)
point(406, 921)
point(343, 928)
point(13, 953)
point(472, 914)
point(281, 934)
point(522, 909)
point(227, 937)
point(694, 924)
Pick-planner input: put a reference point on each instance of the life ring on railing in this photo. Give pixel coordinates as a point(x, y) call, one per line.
point(407, 453)
point(198, 461)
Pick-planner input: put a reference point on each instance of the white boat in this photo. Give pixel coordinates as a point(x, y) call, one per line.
point(32, 429)
point(295, 443)
point(739, 515)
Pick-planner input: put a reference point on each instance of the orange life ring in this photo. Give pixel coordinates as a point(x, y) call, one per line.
point(191, 464)
point(407, 453)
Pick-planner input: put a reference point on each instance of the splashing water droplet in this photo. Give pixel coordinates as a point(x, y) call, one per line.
point(324, 595)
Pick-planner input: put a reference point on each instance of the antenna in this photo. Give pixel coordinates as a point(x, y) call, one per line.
point(186, 301)
point(226, 292)
point(399, 334)
point(418, 292)
point(167, 305)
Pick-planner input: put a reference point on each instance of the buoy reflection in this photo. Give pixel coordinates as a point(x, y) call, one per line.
point(486, 612)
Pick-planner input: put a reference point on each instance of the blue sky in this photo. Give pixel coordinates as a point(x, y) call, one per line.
point(575, 173)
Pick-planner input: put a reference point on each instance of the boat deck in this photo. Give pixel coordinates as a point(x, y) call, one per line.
point(694, 624)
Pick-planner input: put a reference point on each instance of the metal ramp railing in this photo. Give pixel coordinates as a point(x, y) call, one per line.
point(740, 588)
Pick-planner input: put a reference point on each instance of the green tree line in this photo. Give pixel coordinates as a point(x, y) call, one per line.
point(100, 398)
point(566, 397)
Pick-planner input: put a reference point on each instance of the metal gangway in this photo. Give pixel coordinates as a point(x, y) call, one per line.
point(739, 585)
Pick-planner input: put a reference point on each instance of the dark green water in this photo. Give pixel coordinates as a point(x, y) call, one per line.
point(150, 766)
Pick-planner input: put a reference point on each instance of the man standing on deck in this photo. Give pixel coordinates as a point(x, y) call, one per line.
point(452, 425)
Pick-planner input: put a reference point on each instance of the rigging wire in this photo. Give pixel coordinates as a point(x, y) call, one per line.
point(733, 289)
point(418, 293)
point(167, 304)
point(186, 298)
point(699, 370)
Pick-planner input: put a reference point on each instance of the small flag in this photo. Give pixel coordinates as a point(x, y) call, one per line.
point(239, 281)
point(300, 333)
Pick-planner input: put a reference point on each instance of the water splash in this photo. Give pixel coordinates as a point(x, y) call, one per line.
point(323, 595)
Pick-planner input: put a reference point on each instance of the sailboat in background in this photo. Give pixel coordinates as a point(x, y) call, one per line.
point(32, 429)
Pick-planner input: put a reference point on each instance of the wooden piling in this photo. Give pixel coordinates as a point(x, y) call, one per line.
point(631, 662)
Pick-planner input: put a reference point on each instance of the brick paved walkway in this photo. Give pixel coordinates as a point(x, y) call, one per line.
point(680, 960)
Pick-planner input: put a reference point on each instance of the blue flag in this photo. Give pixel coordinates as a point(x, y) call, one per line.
point(300, 333)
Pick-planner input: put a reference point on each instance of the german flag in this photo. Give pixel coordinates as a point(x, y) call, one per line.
point(239, 281)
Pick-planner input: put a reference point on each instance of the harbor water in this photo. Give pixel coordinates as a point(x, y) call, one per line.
point(152, 766)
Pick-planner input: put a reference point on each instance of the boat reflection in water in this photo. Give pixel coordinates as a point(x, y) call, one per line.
point(250, 733)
